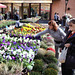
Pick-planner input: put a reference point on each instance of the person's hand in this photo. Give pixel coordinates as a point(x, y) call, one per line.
point(60, 50)
point(67, 45)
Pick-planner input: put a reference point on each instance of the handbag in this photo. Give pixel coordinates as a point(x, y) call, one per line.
point(62, 56)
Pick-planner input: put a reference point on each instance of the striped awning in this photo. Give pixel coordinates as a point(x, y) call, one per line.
point(25, 1)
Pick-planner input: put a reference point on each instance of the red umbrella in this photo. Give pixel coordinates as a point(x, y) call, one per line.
point(2, 6)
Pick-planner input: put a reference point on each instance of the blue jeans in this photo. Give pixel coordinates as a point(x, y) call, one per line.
point(17, 24)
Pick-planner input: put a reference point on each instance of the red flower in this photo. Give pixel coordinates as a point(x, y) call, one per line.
point(51, 49)
point(49, 38)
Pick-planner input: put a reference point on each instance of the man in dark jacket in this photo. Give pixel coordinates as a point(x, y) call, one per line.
point(17, 19)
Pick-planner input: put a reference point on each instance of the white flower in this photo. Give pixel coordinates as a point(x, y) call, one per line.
point(30, 40)
point(10, 57)
point(0, 35)
point(3, 34)
point(14, 52)
point(20, 39)
point(30, 50)
point(8, 37)
point(29, 67)
point(15, 39)
point(39, 41)
point(27, 39)
point(18, 50)
point(34, 40)
point(32, 63)
point(21, 54)
point(25, 54)
point(2, 51)
point(3, 56)
point(31, 54)
point(11, 38)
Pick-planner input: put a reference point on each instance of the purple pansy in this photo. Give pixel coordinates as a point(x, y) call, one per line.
point(8, 43)
point(3, 37)
point(13, 57)
point(3, 41)
point(14, 43)
point(18, 46)
point(30, 60)
point(1, 44)
point(12, 48)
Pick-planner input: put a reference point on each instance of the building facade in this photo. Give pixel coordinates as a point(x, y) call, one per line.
point(43, 8)
point(59, 6)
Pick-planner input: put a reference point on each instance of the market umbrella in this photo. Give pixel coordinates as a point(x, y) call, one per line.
point(2, 6)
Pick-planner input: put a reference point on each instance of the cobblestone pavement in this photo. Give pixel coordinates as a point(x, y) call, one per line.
point(59, 66)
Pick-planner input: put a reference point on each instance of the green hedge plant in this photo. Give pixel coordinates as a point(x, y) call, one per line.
point(50, 71)
point(53, 65)
point(35, 73)
point(38, 66)
point(50, 59)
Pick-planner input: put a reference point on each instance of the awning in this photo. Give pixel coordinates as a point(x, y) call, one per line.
point(25, 1)
point(2, 6)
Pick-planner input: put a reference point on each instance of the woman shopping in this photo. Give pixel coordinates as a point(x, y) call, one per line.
point(69, 42)
point(57, 33)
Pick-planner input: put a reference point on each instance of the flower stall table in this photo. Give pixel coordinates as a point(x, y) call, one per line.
point(31, 20)
point(5, 24)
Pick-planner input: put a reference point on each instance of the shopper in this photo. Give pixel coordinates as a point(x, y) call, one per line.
point(5, 17)
point(17, 18)
point(58, 19)
point(55, 16)
point(69, 42)
point(57, 33)
point(1, 17)
point(68, 17)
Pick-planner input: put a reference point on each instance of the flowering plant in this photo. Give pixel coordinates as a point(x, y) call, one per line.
point(19, 50)
point(28, 28)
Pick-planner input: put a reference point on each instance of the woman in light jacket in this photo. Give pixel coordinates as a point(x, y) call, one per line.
point(57, 33)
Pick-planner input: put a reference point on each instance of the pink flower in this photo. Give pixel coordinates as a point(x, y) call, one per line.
point(49, 38)
point(0, 47)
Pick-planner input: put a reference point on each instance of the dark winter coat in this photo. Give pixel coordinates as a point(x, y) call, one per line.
point(71, 40)
point(71, 50)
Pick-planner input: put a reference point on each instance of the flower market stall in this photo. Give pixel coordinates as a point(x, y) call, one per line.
point(33, 56)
